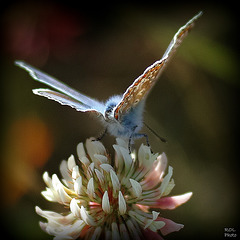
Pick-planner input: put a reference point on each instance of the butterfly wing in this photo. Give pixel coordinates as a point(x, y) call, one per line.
point(63, 99)
point(68, 96)
point(143, 84)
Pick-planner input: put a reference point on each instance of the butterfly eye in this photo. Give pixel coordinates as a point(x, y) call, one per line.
point(109, 110)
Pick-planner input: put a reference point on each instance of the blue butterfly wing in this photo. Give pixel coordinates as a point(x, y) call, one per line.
point(67, 95)
point(63, 99)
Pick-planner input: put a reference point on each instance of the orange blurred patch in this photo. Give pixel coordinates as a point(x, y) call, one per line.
point(28, 146)
point(31, 140)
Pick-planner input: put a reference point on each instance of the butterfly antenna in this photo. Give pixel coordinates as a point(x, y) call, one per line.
point(151, 130)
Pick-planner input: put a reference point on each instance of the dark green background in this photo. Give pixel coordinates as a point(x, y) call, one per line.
point(100, 51)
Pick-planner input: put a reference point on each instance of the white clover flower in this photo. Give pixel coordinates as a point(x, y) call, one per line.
point(111, 199)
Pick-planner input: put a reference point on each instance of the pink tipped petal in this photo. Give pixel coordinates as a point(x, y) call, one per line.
point(150, 235)
point(144, 208)
point(169, 226)
point(154, 176)
point(163, 164)
point(172, 202)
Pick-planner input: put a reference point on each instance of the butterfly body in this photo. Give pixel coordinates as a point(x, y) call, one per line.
point(129, 124)
point(122, 115)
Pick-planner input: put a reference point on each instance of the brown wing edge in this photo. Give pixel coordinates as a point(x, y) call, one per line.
point(159, 65)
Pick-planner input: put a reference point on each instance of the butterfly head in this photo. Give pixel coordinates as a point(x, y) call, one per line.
point(108, 114)
point(110, 107)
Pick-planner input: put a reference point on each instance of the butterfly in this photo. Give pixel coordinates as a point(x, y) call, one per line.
point(121, 115)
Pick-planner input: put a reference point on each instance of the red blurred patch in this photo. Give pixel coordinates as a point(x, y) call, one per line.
point(33, 32)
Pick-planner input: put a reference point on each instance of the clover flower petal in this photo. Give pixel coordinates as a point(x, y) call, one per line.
point(111, 201)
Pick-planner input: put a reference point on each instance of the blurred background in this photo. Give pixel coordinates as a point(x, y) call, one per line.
point(99, 50)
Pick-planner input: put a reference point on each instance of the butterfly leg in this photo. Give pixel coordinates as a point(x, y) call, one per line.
point(101, 136)
point(130, 139)
point(146, 137)
point(129, 144)
point(141, 135)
